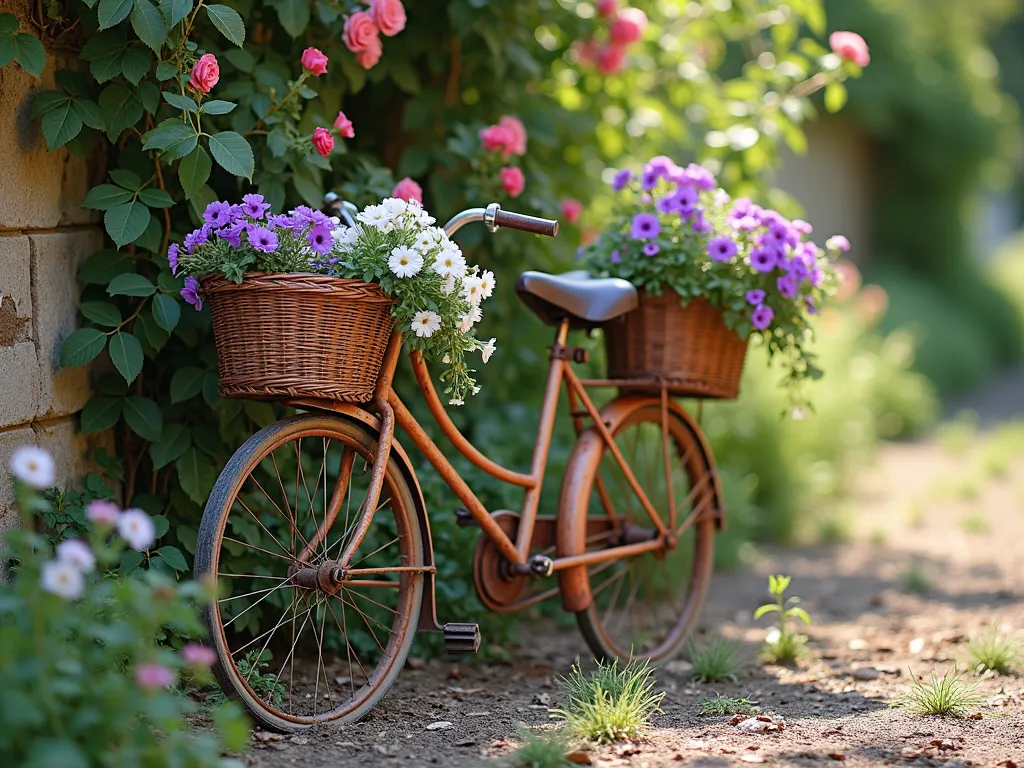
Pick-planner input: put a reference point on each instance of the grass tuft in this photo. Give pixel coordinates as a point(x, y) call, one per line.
point(992, 650)
point(974, 524)
point(715, 662)
point(783, 647)
point(944, 695)
point(915, 578)
point(265, 684)
point(611, 703)
point(541, 750)
point(726, 705)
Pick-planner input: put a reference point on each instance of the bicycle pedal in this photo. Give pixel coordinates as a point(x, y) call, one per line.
point(461, 638)
point(465, 520)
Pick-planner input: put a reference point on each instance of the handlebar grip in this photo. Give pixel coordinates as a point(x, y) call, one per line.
point(521, 221)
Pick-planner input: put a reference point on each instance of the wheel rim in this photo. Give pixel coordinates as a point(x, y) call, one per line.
point(304, 654)
point(644, 605)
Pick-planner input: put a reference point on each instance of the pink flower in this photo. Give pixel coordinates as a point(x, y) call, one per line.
point(609, 59)
point(323, 141)
point(497, 137)
point(153, 677)
point(851, 47)
point(368, 58)
point(408, 190)
point(205, 73)
point(513, 181)
point(628, 26)
point(102, 512)
point(389, 16)
point(586, 50)
point(314, 61)
point(572, 209)
point(517, 146)
point(196, 655)
point(361, 32)
point(344, 126)
point(606, 7)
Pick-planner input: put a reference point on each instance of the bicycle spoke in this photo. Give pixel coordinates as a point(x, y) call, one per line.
point(291, 523)
point(265, 529)
point(364, 618)
point(371, 600)
point(378, 549)
point(247, 594)
point(266, 644)
point(343, 626)
point(236, 617)
point(260, 549)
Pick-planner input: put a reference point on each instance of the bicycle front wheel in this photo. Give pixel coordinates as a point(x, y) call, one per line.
point(294, 646)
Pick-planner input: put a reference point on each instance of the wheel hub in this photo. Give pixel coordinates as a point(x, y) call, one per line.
point(328, 578)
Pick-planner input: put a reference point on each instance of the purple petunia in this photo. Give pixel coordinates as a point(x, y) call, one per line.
point(699, 176)
point(622, 178)
point(320, 239)
point(686, 199)
point(722, 248)
point(809, 301)
point(232, 233)
point(817, 277)
point(762, 260)
point(762, 317)
point(196, 238)
point(838, 242)
point(745, 224)
point(699, 223)
point(803, 227)
point(788, 285)
point(190, 293)
point(645, 226)
point(217, 213)
point(262, 239)
point(614, 258)
point(755, 297)
point(254, 207)
point(666, 204)
point(172, 258)
point(778, 233)
point(649, 177)
point(797, 267)
point(651, 249)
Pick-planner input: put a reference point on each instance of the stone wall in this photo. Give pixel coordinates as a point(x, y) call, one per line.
point(44, 236)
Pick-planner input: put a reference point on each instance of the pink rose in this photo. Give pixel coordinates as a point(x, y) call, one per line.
point(513, 181)
point(196, 655)
point(518, 133)
point(408, 190)
point(360, 32)
point(606, 7)
point(572, 209)
point(497, 138)
point(586, 50)
point(344, 126)
point(102, 512)
point(153, 677)
point(205, 73)
point(628, 26)
point(610, 58)
point(314, 61)
point(368, 57)
point(851, 47)
point(389, 16)
point(323, 141)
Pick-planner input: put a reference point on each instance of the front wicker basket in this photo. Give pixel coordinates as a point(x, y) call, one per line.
point(298, 335)
point(688, 347)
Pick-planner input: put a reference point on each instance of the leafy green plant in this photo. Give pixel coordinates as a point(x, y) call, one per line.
point(994, 651)
point(20, 47)
point(720, 705)
point(610, 703)
point(543, 749)
point(940, 696)
point(266, 685)
point(784, 644)
point(715, 661)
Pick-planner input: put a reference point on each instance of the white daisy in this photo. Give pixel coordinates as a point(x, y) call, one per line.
point(62, 579)
point(487, 284)
point(450, 263)
point(345, 237)
point(486, 350)
point(424, 241)
point(33, 466)
point(471, 318)
point(449, 285)
point(438, 234)
point(405, 262)
point(376, 216)
point(472, 290)
point(395, 206)
point(76, 552)
point(136, 527)
point(425, 323)
point(422, 217)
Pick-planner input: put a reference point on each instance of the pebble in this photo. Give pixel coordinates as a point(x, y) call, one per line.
point(866, 673)
point(440, 725)
point(679, 667)
point(858, 644)
point(414, 662)
point(916, 645)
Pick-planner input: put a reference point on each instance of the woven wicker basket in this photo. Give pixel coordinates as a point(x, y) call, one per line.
point(298, 335)
point(689, 347)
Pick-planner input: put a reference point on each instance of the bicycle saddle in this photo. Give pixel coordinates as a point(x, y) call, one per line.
point(587, 301)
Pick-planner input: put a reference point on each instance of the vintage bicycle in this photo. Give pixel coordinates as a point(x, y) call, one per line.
point(317, 536)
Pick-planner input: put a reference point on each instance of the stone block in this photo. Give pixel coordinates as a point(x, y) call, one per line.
point(68, 448)
point(10, 440)
point(55, 260)
point(15, 290)
point(19, 384)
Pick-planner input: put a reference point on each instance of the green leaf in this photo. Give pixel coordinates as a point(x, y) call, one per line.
point(7, 50)
point(121, 108)
point(142, 414)
point(800, 613)
point(126, 353)
point(130, 560)
point(166, 311)
point(135, 64)
point(100, 267)
point(155, 198)
point(240, 58)
point(165, 70)
point(104, 44)
point(8, 24)
point(61, 125)
point(101, 313)
point(81, 346)
point(210, 393)
point(194, 170)
point(186, 383)
point(217, 107)
point(176, 10)
point(44, 101)
point(149, 93)
point(167, 133)
point(107, 67)
point(835, 96)
point(149, 25)
point(173, 557)
point(111, 12)
point(126, 223)
point(196, 474)
point(100, 413)
point(229, 23)
point(232, 153)
point(89, 112)
point(173, 442)
point(765, 609)
point(127, 179)
point(152, 238)
point(30, 54)
point(294, 15)
point(178, 101)
point(130, 284)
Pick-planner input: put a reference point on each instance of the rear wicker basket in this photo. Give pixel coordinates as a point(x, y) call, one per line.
point(688, 347)
point(298, 335)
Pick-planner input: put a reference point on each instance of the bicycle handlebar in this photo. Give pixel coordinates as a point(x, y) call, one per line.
point(534, 224)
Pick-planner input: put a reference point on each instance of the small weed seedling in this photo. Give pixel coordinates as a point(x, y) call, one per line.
point(944, 695)
point(994, 651)
point(974, 524)
point(610, 704)
point(915, 578)
point(266, 685)
point(725, 705)
point(784, 644)
point(715, 662)
point(541, 750)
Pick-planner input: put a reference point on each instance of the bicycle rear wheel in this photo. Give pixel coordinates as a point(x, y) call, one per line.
point(294, 646)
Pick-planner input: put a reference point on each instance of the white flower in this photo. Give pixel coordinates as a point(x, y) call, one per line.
point(487, 284)
point(486, 350)
point(376, 216)
point(476, 390)
point(449, 285)
point(405, 262)
point(471, 318)
point(472, 290)
point(76, 552)
point(722, 197)
point(425, 323)
point(438, 235)
point(424, 242)
point(345, 237)
point(136, 527)
point(62, 579)
point(456, 401)
point(395, 206)
point(33, 466)
point(449, 263)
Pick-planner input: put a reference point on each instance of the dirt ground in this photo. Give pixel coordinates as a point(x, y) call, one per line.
point(913, 513)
